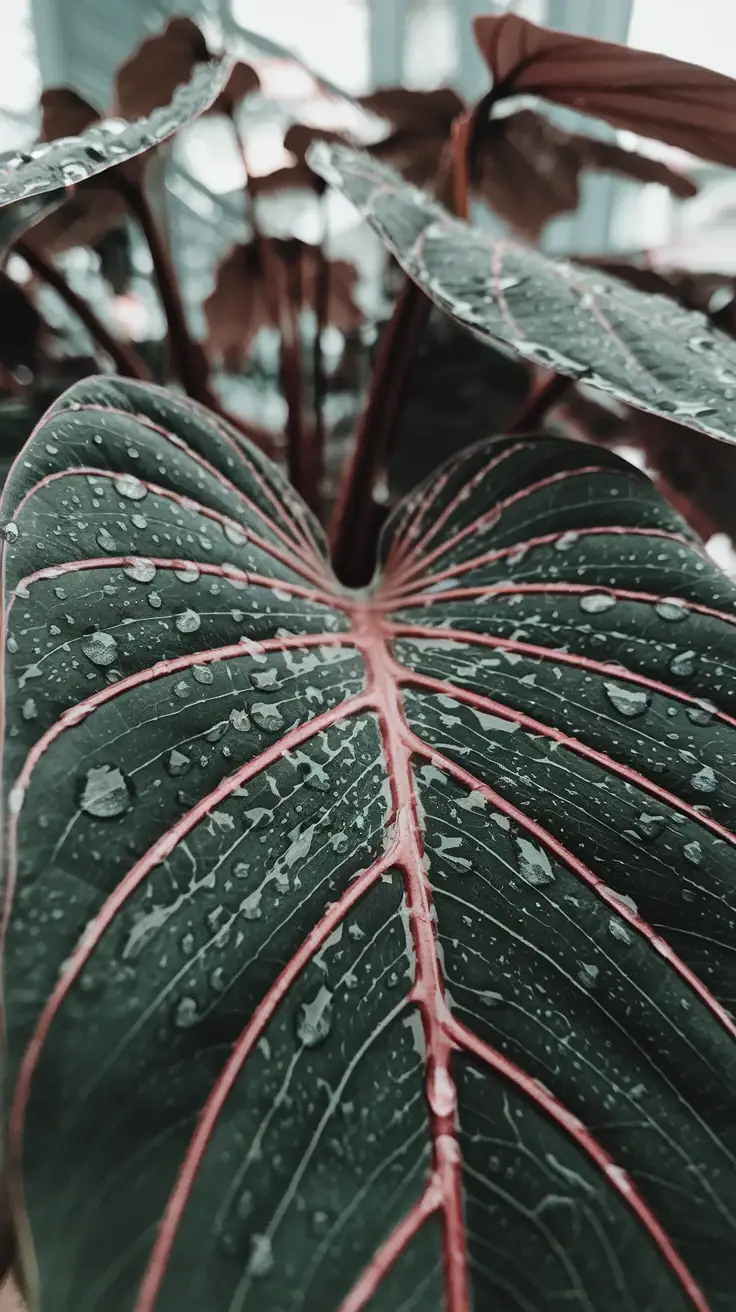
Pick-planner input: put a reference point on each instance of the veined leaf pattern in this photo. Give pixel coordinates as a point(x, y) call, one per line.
point(364, 950)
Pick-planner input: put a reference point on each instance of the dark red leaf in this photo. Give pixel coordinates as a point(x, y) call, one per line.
point(162, 62)
point(242, 301)
point(423, 112)
point(364, 949)
point(529, 170)
point(300, 136)
point(682, 104)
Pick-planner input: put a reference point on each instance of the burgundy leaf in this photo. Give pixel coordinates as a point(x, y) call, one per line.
point(162, 62)
point(364, 949)
point(242, 301)
point(300, 136)
point(682, 104)
point(643, 350)
point(422, 112)
point(530, 170)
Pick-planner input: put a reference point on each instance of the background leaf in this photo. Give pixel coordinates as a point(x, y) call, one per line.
point(642, 349)
point(650, 94)
point(101, 146)
point(422, 897)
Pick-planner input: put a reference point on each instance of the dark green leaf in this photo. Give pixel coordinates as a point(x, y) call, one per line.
point(642, 349)
point(69, 160)
point(365, 950)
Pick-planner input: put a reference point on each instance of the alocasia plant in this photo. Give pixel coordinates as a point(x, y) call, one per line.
point(371, 947)
point(363, 949)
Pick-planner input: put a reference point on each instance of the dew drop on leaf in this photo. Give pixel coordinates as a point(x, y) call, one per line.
point(650, 826)
point(619, 930)
point(267, 717)
point(29, 710)
point(704, 781)
point(154, 600)
point(672, 609)
point(140, 571)
point(693, 853)
point(100, 648)
point(106, 541)
point(127, 485)
point(185, 1013)
point(596, 603)
point(239, 720)
point(702, 713)
point(629, 702)
point(177, 763)
point(202, 674)
point(533, 863)
point(188, 621)
point(105, 792)
point(261, 1256)
point(10, 532)
point(588, 975)
point(683, 663)
point(314, 1020)
point(566, 540)
point(189, 574)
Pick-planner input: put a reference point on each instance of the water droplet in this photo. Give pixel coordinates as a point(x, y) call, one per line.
point(182, 689)
point(650, 826)
point(239, 720)
point(139, 521)
point(29, 710)
point(533, 863)
point(185, 1013)
point(127, 485)
point(704, 781)
point(154, 600)
point(177, 763)
point(105, 792)
point(671, 608)
point(688, 895)
point(141, 570)
point(629, 702)
point(693, 853)
point(12, 644)
point(315, 1019)
point(245, 1205)
point(588, 975)
point(618, 930)
point(187, 944)
point(702, 713)
point(596, 603)
point(235, 534)
point(100, 648)
point(267, 717)
point(683, 663)
point(10, 532)
point(566, 541)
point(489, 998)
point(202, 674)
point(261, 1256)
point(188, 621)
point(106, 541)
point(189, 574)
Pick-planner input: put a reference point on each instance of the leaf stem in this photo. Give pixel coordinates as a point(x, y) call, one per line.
point(126, 361)
point(537, 406)
point(188, 358)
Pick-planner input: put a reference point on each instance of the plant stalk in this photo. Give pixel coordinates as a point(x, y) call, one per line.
point(126, 361)
point(537, 406)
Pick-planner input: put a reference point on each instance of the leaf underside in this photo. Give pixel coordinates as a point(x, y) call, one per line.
point(365, 950)
point(641, 349)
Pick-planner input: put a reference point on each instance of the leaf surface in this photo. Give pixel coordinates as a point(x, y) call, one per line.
point(110, 142)
point(680, 103)
point(365, 950)
point(642, 349)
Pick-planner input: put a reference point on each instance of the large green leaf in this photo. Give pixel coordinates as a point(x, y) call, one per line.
point(365, 950)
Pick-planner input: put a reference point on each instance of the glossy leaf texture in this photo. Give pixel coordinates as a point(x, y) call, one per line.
point(642, 349)
point(364, 950)
point(68, 160)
